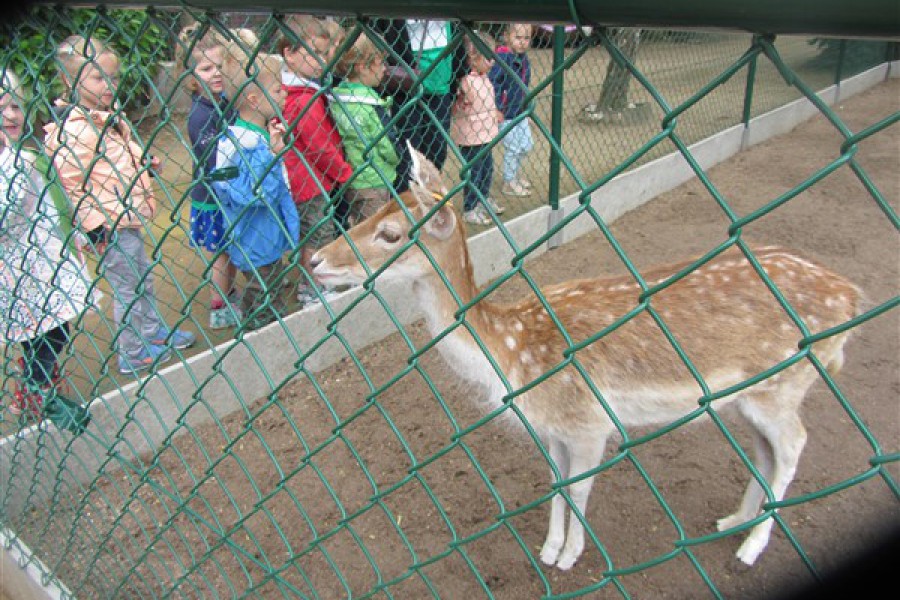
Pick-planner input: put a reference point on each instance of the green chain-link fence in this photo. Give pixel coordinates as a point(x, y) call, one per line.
point(325, 455)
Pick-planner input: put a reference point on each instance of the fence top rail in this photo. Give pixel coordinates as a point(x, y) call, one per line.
point(878, 19)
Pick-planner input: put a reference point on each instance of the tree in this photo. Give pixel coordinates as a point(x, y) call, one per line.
point(613, 97)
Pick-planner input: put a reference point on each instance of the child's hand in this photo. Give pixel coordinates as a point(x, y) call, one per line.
point(276, 135)
point(153, 163)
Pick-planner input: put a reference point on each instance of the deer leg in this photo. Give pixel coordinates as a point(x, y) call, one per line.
point(583, 457)
point(783, 430)
point(556, 533)
point(753, 496)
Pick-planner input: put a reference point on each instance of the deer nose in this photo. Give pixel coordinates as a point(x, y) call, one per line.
point(315, 261)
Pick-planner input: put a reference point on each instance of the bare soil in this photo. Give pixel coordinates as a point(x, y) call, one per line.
point(331, 492)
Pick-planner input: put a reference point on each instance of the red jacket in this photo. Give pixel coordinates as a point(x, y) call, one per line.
point(315, 138)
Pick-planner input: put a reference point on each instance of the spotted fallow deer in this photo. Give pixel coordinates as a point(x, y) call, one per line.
point(727, 321)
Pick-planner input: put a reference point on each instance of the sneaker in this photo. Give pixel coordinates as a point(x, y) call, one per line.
point(178, 339)
point(525, 183)
point(476, 216)
point(226, 317)
point(492, 204)
point(514, 188)
point(308, 297)
point(17, 406)
point(144, 360)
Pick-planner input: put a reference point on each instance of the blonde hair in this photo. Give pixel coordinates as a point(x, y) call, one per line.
point(507, 30)
point(10, 84)
point(74, 52)
point(303, 28)
point(240, 75)
point(488, 40)
point(362, 53)
point(191, 47)
point(336, 32)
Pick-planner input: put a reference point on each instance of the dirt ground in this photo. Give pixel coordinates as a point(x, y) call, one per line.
point(324, 495)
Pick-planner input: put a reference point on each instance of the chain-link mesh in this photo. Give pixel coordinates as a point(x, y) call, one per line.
point(367, 478)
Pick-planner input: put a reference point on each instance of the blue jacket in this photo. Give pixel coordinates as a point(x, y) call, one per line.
point(509, 90)
point(256, 202)
point(206, 123)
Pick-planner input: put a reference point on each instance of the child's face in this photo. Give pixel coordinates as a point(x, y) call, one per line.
point(308, 63)
point(13, 117)
point(372, 73)
point(208, 70)
point(519, 38)
point(98, 81)
point(480, 63)
point(271, 95)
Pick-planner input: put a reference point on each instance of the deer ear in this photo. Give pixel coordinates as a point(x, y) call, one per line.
point(443, 223)
point(417, 159)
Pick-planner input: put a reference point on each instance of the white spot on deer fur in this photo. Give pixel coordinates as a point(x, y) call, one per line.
point(786, 327)
point(517, 325)
point(543, 348)
point(576, 293)
point(726, 278)
point(510, 342)
point(526, 357)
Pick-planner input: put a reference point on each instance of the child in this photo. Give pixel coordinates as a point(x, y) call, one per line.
point(251, 183)
point(362, 118)
point(101, 169)
point(476, 122)
point(210, 113)
point(44, 286)
point(510, 90)
point(315, 162)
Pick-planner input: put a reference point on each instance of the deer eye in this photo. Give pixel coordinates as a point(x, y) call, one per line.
point(388, 235)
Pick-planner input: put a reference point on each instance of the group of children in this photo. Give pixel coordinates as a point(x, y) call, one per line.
point(277, 152)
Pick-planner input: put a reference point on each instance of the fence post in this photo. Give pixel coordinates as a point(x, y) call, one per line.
point(556, 111)
point(748, 98)
point(839, 70)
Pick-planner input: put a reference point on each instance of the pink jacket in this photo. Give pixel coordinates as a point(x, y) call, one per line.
point(475, 112)
point(103, 186)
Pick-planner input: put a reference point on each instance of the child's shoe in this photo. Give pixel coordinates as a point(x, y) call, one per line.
point(148, 356)
point(308, 296)
point(514, 188)
point(476, 216)
point(227, 317)
point(492, 204)
point(178, 339)
point(17, 406)
point(525, 183)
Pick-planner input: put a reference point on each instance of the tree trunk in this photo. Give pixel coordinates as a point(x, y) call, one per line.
point(614, 92)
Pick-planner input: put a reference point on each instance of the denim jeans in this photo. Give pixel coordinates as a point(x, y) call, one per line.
point(517, 142)
point(427, 134)
point(481, 172)
point(42, 353)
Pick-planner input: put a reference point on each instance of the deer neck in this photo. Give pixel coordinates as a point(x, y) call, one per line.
point(440, 306)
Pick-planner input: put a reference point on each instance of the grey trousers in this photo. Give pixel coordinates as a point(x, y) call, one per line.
point(128, 271)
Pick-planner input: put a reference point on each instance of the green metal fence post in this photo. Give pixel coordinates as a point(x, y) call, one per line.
point(556, 214)
point(748, 97)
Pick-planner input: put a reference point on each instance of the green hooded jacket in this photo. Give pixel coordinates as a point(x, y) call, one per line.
point(361, 117)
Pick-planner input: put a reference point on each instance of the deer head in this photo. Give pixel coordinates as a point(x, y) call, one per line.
point(386, 235)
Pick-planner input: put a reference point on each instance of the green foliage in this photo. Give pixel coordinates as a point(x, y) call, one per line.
point(857, 54)
point(139, 37)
